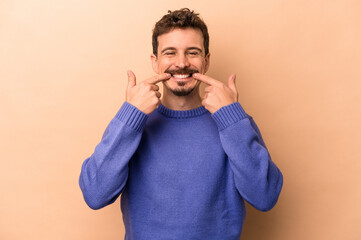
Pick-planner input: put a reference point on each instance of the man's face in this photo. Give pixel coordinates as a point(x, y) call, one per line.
point(181, 53)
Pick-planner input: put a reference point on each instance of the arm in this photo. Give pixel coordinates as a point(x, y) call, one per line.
point(104, 174)
point(256, 177)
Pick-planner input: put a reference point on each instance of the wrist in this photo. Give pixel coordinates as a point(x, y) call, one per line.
point(228, 115)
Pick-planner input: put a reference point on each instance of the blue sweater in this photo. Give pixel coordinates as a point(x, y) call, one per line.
point(182, 174)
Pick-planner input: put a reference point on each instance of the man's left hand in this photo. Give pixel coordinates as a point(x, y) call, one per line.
point(218, 94)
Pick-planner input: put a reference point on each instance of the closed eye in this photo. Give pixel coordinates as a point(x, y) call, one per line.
point(194, 53)
point(169, 53)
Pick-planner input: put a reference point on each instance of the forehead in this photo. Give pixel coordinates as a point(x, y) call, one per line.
point(181, 39)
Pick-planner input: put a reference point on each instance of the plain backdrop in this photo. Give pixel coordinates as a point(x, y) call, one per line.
point(63, 76)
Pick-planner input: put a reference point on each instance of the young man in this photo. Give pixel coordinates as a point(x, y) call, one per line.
point(183, 164)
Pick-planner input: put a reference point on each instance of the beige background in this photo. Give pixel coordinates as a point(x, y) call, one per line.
point(63, 73)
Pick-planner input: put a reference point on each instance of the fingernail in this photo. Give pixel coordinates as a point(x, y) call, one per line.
point(195, 74)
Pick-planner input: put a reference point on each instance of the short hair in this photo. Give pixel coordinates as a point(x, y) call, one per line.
point(183, 18)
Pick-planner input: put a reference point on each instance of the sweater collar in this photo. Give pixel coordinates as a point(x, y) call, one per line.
point(181, 113)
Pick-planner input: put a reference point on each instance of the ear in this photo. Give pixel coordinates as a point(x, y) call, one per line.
point(207, 59)
point(154, 60)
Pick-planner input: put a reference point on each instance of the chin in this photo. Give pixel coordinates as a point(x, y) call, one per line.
point(182, 92)
point(181, 88)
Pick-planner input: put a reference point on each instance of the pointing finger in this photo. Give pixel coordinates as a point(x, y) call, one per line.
point(206, 79)
point(158, 78)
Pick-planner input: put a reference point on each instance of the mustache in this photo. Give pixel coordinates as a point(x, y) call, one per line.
point(182, 71)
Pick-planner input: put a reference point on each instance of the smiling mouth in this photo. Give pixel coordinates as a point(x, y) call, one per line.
point(181, 76)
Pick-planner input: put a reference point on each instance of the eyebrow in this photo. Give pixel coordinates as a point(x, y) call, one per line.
point(172, 48)
point(194, 48)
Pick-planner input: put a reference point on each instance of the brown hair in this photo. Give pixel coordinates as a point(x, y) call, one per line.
point(183, 18)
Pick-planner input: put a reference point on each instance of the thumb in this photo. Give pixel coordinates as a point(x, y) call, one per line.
point(232, 82)
point(131, 79)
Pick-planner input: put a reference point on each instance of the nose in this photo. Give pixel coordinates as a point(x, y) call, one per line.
point(182, 61)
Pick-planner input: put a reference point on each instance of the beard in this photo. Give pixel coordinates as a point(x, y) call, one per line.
point(180, 91)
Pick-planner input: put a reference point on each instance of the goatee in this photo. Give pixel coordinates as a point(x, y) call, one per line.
point(181, 93)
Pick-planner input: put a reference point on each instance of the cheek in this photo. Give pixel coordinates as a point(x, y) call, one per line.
point(164, 67)
point(164, 63)
point(199, 64)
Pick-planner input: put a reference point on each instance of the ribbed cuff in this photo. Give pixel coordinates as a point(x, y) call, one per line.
point(228, 115)
point(132, 116)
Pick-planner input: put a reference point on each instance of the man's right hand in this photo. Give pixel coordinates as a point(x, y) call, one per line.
point(145, 96)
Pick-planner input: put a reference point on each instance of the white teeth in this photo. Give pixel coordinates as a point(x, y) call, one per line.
point(181, 76)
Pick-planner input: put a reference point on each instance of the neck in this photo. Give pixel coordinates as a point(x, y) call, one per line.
point(191, 101)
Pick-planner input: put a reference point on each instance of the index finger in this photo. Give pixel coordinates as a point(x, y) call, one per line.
point(158, 78)
point(206, 79)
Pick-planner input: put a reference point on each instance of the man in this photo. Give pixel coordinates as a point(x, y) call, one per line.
point(184, 164)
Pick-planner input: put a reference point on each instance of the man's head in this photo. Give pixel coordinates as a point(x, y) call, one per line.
point(183, 18)
point(180, 47)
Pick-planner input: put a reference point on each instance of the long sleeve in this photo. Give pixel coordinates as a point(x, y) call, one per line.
point(257, 178)
point(105, 173)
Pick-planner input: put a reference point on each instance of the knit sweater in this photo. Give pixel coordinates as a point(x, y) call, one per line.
point(182, 174)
